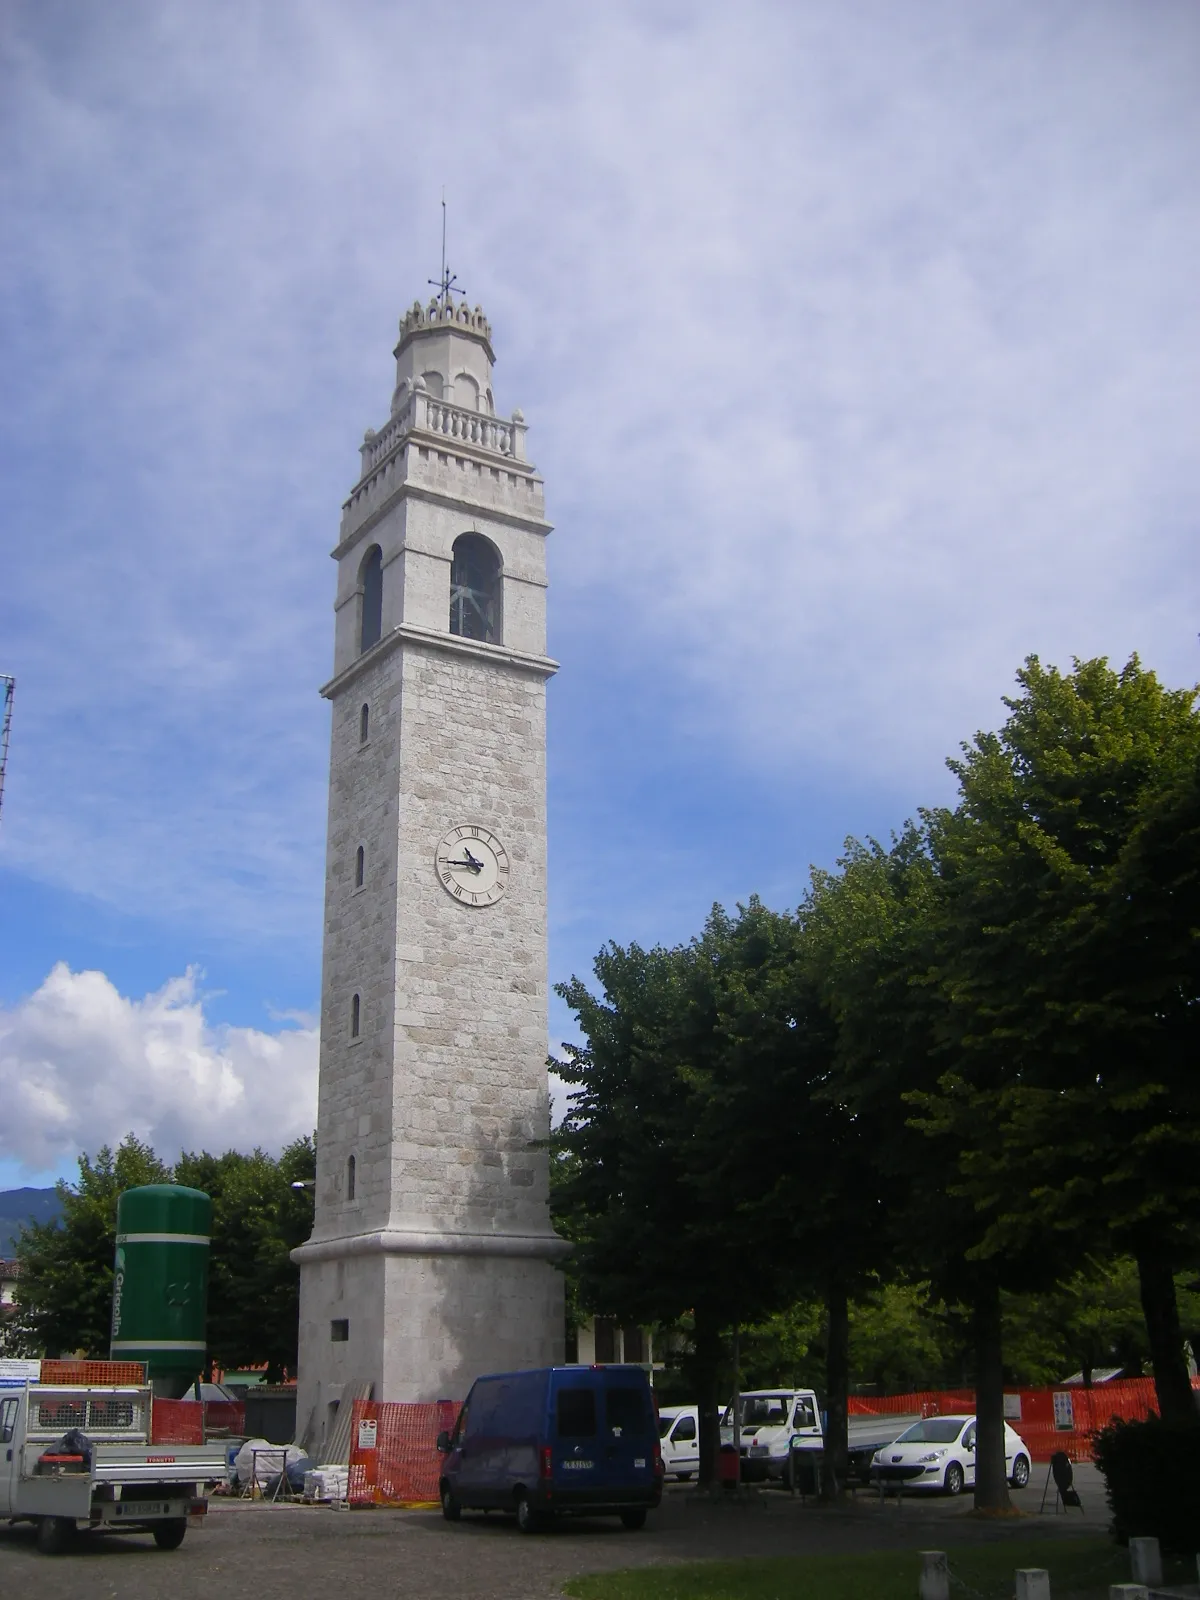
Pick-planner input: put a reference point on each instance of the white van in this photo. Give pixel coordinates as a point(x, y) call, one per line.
point(679, 1440)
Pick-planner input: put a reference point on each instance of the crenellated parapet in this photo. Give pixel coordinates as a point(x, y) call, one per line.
point(439, 313)
point(442, 319)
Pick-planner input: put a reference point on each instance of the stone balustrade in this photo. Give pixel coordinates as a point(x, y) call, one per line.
point(472, 427)
point(419, 410)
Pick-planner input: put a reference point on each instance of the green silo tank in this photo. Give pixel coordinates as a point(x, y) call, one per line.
point(160, 1283)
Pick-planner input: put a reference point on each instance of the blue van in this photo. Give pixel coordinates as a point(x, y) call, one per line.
point(581, 1440)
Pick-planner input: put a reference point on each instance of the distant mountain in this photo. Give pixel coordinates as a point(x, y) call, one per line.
point(23, 1205)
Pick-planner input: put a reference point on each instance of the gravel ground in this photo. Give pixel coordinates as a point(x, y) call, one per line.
point(265, 1552)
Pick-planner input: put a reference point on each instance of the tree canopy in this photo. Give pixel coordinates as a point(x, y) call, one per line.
point(66, 1266)
point(968, 1057)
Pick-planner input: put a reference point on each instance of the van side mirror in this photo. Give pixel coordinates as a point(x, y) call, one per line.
point(443, 1442)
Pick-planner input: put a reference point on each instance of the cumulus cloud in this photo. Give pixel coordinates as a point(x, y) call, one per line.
point(82, 1065)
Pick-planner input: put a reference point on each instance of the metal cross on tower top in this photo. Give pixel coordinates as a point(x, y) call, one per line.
point(6, 702)
point(447, 284)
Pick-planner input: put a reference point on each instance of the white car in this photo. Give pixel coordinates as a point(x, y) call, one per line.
point(679, 1440)
point(939, 1453)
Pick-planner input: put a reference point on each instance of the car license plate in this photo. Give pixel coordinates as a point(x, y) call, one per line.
point(577, 1466)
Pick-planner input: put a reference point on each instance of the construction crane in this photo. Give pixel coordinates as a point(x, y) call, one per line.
point(6, 704)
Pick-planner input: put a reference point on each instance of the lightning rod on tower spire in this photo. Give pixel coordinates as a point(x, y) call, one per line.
point(6, 705)
point(447, 283)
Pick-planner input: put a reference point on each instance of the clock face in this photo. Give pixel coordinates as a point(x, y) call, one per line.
point(472, 865)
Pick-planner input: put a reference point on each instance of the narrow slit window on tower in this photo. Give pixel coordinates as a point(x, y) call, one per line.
point(364, 724)
point(350, 1178)
point(360, 861)
point(475, 589)
point(355, 1016)
point(371, 577)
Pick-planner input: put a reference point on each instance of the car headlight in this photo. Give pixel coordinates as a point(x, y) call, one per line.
point(878, 1456)
point(934, 1455)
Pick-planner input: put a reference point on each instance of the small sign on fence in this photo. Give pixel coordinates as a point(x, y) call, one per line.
point(16, 1373)
point(1012, 1407)
point(368, 1432)
point(1064, 1409)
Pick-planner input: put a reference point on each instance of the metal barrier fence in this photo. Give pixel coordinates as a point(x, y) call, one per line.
point(394, 1458)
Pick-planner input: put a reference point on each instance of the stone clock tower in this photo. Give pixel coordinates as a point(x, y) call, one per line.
point(431, 1258)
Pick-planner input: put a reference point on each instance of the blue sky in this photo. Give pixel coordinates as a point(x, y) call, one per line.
point(859, 347)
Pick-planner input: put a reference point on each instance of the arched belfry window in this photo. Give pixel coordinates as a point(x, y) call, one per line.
point(475, 589)
point(372, 598)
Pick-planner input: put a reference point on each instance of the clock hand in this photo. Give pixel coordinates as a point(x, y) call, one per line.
point(470, 863)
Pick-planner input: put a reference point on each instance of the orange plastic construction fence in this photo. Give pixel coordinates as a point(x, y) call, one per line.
point(394, 1458)
point(1063, 1418)
point(87, 1373)
point(177, 1422)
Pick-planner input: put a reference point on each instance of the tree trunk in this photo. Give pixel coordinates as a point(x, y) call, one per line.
point(706, 1373)
point(837, 1381)
point(1156, 1282)
point(991, 1480)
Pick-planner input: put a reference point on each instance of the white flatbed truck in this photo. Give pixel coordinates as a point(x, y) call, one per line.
point(118, 1483)
point(778, 1425)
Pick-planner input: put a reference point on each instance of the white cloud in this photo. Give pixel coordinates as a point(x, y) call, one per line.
point(82, 1065)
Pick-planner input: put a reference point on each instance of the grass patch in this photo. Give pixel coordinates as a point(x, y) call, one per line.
point(1079, 1568)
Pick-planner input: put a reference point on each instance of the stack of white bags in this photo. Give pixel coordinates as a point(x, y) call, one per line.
point(327, 1483)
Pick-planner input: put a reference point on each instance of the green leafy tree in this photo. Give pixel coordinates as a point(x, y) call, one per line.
point(65, 1286)
point(880, 930)
point(711, 1175)
point(670, 1195)
point(903, 1338)
point(1071, 870)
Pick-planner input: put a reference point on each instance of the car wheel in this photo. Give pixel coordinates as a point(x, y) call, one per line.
point(55, 1535)
point(451, 1509)
point(633, 1518)
point(527, 1518)
point(684, 1477)
point(169, 1535)
point(954, 1478)
point(1020, 1475)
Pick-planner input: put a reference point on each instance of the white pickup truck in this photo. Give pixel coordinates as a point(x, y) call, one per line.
point(106, 1477)
point(776, 1423)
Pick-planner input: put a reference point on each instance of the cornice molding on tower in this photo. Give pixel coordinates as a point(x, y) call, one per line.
point(413, 1242)
point(448, 445)
point(449, 643)
point(417, 491)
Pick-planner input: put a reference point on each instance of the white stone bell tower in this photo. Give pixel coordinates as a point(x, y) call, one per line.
point(432, 1254)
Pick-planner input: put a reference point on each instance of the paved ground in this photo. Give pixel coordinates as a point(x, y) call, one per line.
point(272, 1552)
